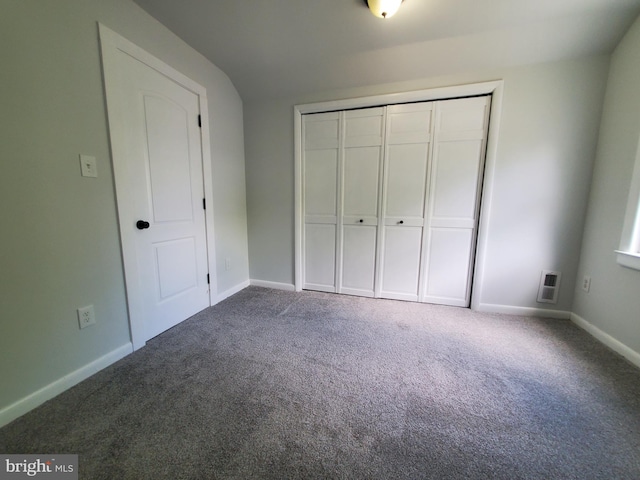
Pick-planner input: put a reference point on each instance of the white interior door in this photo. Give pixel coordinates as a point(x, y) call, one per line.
point(158, 166)
point(320, 200)
point(408, 139)
point(454, 199)
point(361, 177)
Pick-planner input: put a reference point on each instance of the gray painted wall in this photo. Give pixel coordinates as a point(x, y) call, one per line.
point(60, 247)
point(613, 303)
point(550, 120)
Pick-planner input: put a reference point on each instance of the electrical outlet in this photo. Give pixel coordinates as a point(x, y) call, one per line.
point(86, 316)
point(227, 264)
point(586, 283)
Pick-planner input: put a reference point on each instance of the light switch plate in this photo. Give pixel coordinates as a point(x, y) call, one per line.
point(88, 166)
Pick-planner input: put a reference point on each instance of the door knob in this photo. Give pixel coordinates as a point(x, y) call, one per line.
point(401, 222)
point(141, 224)
point(361, 220)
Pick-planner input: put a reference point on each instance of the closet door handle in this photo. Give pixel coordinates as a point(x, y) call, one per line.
point(141, 224)
point(401, 222)
point(361, 220)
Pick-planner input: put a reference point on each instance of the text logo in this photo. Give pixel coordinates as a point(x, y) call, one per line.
point(50, 467)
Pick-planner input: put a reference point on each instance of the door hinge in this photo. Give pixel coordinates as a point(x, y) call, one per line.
point(204, 203)
point(200, 121)
point(208, 280)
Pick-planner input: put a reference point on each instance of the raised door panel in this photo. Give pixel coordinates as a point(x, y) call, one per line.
point(363, 127)
point(361, 181)
point(462, 115)
point(406, 175)
point(320, 257)
point(176, 265)
point(168, 164)
point(321, 131)
point(359, 257)
point(449, 265)
point(455, 188)
point(409, 123)
point(401, 262)
point(320, 182)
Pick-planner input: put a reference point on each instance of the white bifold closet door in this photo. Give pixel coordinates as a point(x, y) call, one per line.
point(453, 200)
point(391, 199)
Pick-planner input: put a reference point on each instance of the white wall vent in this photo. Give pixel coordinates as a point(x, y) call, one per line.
point(549, 287)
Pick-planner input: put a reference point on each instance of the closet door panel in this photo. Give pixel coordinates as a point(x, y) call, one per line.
point(409, 123)
point(321, 131)
point(364, 127)
point(456, 171)
point(449, 264)
point(405, 182)
point(361, 181)
point(320, 185)
point(464, 115)
point(359, 249)
point(401, 262)
point(320, 257)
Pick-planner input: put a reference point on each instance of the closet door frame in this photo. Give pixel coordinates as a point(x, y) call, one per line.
point(494, 88)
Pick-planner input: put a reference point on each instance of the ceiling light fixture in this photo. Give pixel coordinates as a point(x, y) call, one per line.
point(384, 8)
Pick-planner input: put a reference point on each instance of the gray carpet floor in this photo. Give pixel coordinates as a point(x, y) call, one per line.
point(273, 384)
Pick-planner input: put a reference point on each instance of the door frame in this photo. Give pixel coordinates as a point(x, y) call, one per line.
point(493, 88)
point(112, 45)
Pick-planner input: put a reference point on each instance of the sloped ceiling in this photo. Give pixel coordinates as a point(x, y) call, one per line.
point(273, 48)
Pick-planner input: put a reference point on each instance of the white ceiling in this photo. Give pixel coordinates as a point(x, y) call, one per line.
point(272, 48)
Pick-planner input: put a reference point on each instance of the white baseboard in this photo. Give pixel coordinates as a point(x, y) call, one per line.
point(28, 403)
point(523, 311)
point(608, 340)
point(276, 285)
point(232, 291)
